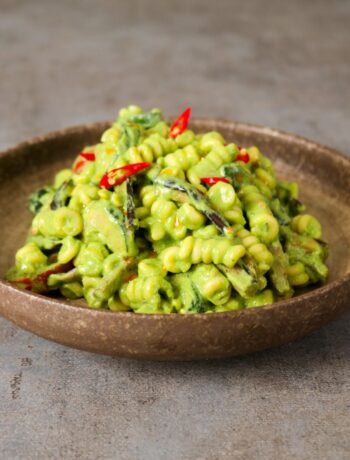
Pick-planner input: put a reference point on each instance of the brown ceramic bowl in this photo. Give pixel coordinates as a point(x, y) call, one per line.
point(323, 175)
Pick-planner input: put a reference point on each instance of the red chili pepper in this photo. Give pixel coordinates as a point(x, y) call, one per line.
point(26, 281)
point(39, 282)
point(110, 179)
point(244, 156)
point(89, 156)
point(180, 124)
point(79, 164)
point(214, 180)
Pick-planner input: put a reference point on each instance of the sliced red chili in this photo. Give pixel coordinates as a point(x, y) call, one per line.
point(26, 281)
point(243, 155)
point(78, 166)
point(39, 282)
point(104, 182)
point(214, 180)
point(180, 124)
point(111, 178)
point(89, 156)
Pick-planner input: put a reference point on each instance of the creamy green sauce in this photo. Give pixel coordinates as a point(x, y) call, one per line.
point(163, 240)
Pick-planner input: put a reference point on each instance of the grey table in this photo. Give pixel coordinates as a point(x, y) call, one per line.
point(283, 64)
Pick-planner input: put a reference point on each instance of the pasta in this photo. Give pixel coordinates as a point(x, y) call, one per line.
point(158, 219)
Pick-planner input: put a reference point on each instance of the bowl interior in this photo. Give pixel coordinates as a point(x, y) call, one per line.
point(323, 177)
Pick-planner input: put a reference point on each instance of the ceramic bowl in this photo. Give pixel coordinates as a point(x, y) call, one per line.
point(323, 175)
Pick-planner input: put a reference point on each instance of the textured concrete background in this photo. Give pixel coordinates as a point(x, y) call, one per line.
point(284, 64)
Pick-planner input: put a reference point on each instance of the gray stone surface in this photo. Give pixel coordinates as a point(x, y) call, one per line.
point(284, 64)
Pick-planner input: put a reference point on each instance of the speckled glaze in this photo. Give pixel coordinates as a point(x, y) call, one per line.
point(324, 178)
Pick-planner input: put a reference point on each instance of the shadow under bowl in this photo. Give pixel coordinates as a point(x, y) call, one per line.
point(324, 179)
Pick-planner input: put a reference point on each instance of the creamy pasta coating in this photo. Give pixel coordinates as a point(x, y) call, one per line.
point(156, 218)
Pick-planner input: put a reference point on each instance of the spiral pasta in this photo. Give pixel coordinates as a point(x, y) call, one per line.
point(146, 291)
point(218, 155)
point(256, 249)
point(261, 220)
point(183, 158)
point(156, 218)
point(149, 194)
point(152, 148)
point(297, 275)
point(223, 198)
point(193, 251)
point(308, 225)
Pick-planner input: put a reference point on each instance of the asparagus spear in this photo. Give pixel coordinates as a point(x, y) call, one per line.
point(112, 281)
point(301, 248)
point(238, 173)
point(278, 272)
point(130, 205)
point(39, 282)
point(57, 279)
point(191, 298)
point(126, 230)
point(61, 195)
point(197, 198)
point(243, 276)
point(280, 212)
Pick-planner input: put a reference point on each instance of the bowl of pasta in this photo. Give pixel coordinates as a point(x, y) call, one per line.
point(192, 239)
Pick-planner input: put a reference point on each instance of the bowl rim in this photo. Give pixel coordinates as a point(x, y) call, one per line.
point(253, 128)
